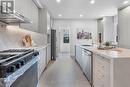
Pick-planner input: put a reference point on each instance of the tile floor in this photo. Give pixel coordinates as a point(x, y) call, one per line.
point(64, 72)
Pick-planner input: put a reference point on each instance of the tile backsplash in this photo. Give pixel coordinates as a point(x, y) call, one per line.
point(11, 37)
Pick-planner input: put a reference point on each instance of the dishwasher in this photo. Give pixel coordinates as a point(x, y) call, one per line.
point(87, 65)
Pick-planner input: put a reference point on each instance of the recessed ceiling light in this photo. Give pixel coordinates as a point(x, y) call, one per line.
point(92, 1)
point(58, 1)
point(60, 15)
point(125, 2)
point(81, 15)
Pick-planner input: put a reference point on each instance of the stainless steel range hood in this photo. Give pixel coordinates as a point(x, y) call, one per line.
point(8, 14)
point(14, 17)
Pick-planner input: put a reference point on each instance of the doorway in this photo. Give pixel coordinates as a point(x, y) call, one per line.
point(63, 41)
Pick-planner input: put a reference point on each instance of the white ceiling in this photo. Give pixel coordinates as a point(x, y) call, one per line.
point(71, 9)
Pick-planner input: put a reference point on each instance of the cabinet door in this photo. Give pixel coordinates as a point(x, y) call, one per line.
point(83, 60)
point(39, 67)
point(41, 61)
point(48, 53)
point(76, 52)
point(101, 71)
point(79, 55)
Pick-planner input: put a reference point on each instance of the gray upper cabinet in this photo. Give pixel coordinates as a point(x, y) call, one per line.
point(124, 27)
point(107, 26)
point(44, 21)
point(29, 10)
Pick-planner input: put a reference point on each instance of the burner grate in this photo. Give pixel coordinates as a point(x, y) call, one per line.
point(15, 50)
point(4, 56)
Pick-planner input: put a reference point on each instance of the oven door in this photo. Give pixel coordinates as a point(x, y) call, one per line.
point(28, 79)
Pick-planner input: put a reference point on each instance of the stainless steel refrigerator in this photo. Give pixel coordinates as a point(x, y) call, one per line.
point(53, 44)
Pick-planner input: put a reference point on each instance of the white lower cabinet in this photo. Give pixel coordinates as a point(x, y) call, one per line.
point(48, 49)
point(101, 71)
point(41, 61)
point(43, 58)
point(79, 55)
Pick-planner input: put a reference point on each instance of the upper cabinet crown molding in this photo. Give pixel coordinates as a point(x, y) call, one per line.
point(38, 4)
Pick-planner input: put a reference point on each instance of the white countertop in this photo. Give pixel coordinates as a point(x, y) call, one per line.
point(38, 47)
point(33, 47)
point(115, 53)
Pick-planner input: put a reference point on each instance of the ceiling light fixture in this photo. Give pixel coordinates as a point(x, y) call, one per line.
point(81, 15)
point(60, 15)
point(125, 2)
point(58, 1)
point(92, 1)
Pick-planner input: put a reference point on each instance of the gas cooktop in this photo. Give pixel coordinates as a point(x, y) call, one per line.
point(13, 59)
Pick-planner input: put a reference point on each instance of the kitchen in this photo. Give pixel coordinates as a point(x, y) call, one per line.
point(64, 43)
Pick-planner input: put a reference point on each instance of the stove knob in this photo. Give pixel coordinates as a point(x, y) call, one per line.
point(12, 68)
point(36, 53)
point(18, 65)
point(22, 62)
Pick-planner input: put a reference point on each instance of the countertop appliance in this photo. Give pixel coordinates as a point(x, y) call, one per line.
point(87, 65)
point(17, 67)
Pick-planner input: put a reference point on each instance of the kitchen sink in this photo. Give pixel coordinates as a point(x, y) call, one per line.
point(87, 45)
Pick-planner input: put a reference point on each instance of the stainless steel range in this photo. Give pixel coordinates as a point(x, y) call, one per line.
point(17, 67)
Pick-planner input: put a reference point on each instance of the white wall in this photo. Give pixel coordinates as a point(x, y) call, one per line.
point(72, 25)
point(12, 37)
point(124, 27)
